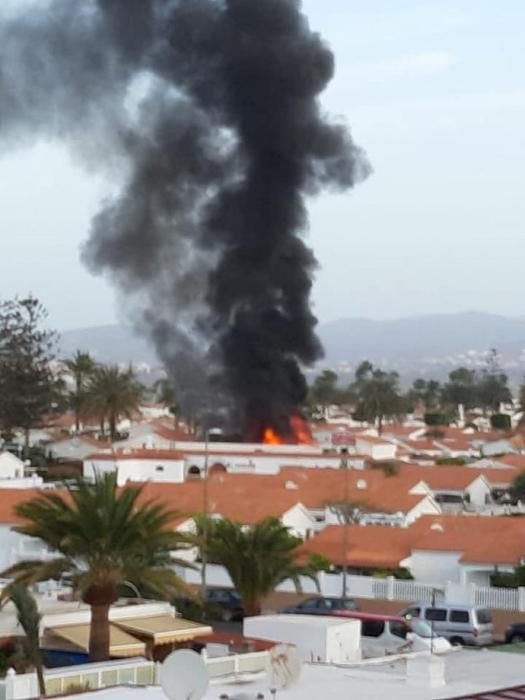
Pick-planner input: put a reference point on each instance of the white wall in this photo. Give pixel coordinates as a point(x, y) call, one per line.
point(72, 448)
point(478, 491)
point(315, 638)
point(15, 547)
point(435, 567)
point(266, 463)
point(300, 521)
point(160, 470)
point(10, 466)
point(375, 450)
point(427, 506)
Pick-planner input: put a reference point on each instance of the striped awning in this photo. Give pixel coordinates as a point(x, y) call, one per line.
point(121, 643)
point(163, 629)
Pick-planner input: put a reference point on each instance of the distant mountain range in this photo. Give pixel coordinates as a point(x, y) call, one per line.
point(424, 345)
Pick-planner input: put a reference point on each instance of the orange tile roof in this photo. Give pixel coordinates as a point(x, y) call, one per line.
point(250, 497)
point(477, 539)
point(9, 499)
point(481, 539)
point(516, 461)
point(367, 547)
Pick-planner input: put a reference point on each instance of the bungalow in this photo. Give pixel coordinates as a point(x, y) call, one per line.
point(435, 549)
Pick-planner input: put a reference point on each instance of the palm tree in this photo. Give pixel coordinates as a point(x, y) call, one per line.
point(112, 393)
point(101, 536)
point(82, 367)
point(258, 558)
point(29, 620)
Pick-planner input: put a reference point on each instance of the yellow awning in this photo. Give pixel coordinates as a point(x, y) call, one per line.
point(120, 643)
point(163, 629)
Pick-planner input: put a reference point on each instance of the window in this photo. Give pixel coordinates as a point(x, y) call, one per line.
point(372, 628)
point(159, 468)
point(327, 604)
point(436, 614)
point(484, 617)
point(349, 604)
point(459, 616)
point(310, 604)
point(412, 612)
point(399, 629)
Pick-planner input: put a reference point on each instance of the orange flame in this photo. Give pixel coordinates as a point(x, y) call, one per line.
point(270, 437)
point(299, 434)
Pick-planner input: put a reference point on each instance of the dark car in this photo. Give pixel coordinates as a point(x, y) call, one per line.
point(321, 606)
point(515, 633)
point(224, 604)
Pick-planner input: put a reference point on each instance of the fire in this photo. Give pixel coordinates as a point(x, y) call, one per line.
point(299, 434)
point(270, 437)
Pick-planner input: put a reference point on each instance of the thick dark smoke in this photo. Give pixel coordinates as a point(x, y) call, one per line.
point(210, 110)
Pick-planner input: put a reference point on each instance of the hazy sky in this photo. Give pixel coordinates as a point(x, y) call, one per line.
point(434, 91)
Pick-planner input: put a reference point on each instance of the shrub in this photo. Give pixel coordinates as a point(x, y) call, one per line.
point(500, 421)
point(432, 419)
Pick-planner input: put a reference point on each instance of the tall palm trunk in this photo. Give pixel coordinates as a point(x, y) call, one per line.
point(40, 677)
point(252, 608)
point(99, 633)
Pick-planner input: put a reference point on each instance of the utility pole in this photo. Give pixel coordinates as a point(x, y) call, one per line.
point(205, 508)
point(344, 466)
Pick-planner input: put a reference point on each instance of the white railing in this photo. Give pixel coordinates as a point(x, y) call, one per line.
point(499, 598)
point(138, 671)
point(388, 588)
point(237, 664)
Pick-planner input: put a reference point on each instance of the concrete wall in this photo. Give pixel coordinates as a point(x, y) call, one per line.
point(160, 470)
point(10, 466)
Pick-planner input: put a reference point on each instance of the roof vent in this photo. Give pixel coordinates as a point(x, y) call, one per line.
point(291, 486)
point(361, 484)
point(437, 527)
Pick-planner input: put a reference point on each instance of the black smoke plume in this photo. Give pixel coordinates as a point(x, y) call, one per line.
point(206, 113)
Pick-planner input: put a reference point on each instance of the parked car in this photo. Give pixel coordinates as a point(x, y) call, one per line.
point(460, 624)
point(214, 604)
point(515, 633)
point(321, 606)
point(224, 603)
point(392, 634)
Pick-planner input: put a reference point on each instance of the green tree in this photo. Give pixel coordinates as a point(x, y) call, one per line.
point(28, 388)
point(103, 537)
point(82, 367)
point(324, 392)
point(111, 394)
point(517, 488)
point(427, 392)
point(461, 388)
point(492, 388)
point(377, 395)
point(258, 558)
point(29, 620)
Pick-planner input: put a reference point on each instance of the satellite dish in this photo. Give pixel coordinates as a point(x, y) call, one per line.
point(184, 676)
point(284, 666)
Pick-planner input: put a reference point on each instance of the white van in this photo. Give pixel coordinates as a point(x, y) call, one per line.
point(391, 634)
point(460, 624)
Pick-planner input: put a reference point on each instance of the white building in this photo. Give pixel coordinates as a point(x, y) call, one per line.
point(317, 639)
point(138, 465)
point(11, 467)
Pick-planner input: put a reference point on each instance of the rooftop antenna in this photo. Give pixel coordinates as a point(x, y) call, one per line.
point(284, 667)
point(184, 676)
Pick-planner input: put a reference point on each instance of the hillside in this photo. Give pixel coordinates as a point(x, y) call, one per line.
point(425, 344)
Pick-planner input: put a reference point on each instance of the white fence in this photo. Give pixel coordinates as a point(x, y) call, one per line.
point(137, 671)
point(386, 589)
